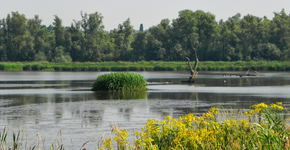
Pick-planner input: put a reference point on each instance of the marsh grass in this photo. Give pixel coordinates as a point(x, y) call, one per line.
point(146, 66)
point(120, 82)
point(19, 141)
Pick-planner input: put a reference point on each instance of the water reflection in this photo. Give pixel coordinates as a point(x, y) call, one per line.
point(92, 117)
point(120, 95)
point(52, 102)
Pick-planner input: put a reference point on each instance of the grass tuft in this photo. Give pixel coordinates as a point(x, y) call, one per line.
point(120, 82)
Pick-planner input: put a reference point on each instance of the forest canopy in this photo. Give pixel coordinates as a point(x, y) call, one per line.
point(86, 40)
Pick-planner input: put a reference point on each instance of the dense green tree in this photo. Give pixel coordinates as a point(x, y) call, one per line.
point(249, 36)
point(237, 38)
point(61, 56)
point(159, 44)
point(58, 31)
point(123, 39)
point(77, 38)
point(92, 26)
point(40, 56)
point(269, 51)
point(280, 31)
point(139, 46)
point(230, 38)
point(226, 43)
point(141, 27)
point(194, 30)
point(19, 43)
point(107, 47)
point(39, 34)
point(3, 37)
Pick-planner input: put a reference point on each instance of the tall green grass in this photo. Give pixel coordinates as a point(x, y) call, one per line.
point(146, 66)
point(120, 82)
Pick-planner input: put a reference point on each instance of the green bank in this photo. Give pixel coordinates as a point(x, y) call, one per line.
point(146, 66)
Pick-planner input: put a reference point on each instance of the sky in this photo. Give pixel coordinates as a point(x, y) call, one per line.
point(146, 12)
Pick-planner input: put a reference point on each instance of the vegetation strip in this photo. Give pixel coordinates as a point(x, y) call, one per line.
point(146, 66)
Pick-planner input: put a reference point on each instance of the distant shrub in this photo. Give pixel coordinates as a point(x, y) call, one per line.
point(57, 68)
point(134, 68)
point(119, 68)
point(27, 67)
point(119, 82)
point(37, 67)
point(105, 68)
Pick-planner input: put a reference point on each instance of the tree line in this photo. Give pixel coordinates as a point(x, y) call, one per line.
point(236, 39)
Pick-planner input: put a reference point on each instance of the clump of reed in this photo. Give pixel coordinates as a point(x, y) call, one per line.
point(19, 141)
point(263, 127)
point(120, 82)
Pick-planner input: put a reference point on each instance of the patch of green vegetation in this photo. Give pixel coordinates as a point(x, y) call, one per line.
point(120, 82)
point(146, 66)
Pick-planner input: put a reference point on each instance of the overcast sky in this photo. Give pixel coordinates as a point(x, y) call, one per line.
point(147, 12)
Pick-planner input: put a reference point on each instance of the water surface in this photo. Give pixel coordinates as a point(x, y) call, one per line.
point(49, 102)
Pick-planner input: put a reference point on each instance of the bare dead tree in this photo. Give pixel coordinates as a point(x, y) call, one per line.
point(193, 71)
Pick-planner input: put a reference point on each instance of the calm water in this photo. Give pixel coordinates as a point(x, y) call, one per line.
point(49, 102)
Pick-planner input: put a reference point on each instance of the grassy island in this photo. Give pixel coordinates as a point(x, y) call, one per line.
point(120, 82)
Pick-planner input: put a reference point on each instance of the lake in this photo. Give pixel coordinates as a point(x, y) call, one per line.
point(60, 105)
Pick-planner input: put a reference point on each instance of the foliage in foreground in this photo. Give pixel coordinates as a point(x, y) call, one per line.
point(264, 127)
point(120, 82)
point(19, 141)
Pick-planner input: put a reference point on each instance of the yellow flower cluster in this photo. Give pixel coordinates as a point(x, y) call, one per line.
point(214, 110)
point(205, 132)
point(278, 105)
point(121, 137)
point(107, 144)
point(260, 105)
point(257, 108)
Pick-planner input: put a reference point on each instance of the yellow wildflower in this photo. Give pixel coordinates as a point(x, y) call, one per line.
point(277, 105)
point(214, 110)
point(107, 144)
point(208, 115)
point(260, 105)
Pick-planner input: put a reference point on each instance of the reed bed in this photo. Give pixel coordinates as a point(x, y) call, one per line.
point(120, 82)
point(146, 66)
